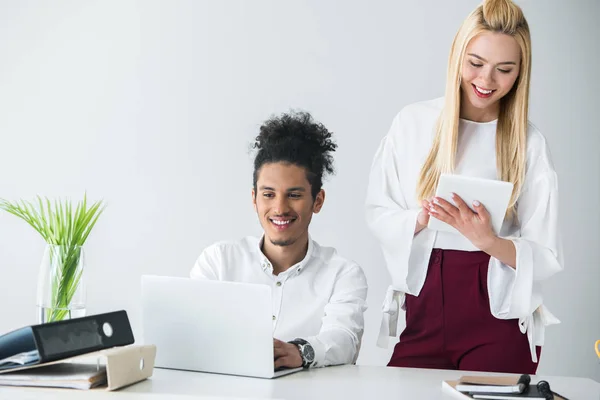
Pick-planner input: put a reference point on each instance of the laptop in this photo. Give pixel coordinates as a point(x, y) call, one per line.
point(210, 326)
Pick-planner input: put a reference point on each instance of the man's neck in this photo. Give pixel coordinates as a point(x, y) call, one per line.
point(284, 257)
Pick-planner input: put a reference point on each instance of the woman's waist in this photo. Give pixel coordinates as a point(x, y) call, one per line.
point(453, 241)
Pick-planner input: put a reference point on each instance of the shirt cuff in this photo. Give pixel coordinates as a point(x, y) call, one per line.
point(320, 351)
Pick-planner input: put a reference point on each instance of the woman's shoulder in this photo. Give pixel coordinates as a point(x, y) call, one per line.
point(423, 109)
point(535, 138)
point(539, 157)
point(416, 118)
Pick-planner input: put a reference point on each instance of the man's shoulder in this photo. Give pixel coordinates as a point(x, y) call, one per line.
point(331, 257)
point(229, 248)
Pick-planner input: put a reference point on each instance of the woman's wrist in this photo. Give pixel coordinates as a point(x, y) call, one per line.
point(487, 244)
point(419, 226)
point(501, 249)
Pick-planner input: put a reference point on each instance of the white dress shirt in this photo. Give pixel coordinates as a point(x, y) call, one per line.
point(392, 208)
point(321, 299)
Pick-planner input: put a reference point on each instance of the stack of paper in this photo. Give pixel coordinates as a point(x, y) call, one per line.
point(64, 375)
point(27, 357)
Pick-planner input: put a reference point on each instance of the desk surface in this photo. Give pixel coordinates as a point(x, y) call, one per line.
point(344, 382)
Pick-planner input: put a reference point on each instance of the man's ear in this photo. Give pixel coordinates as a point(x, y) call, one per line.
point(253, 199)
point(319, 200)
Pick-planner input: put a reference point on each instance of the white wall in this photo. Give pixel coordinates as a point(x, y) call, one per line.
point(152, 105)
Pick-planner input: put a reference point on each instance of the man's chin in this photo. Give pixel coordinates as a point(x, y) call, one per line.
point(279, 239)
point(281, 242)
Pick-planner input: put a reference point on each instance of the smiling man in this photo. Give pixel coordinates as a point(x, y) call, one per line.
point(318, 297)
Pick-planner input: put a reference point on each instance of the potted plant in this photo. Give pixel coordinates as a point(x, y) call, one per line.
point(65, 228)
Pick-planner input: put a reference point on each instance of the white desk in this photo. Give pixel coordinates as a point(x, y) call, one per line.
point(332, 383)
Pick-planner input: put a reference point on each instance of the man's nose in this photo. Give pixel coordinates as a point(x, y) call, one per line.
point(282, 205)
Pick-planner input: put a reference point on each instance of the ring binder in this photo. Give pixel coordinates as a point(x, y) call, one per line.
point(43, 343)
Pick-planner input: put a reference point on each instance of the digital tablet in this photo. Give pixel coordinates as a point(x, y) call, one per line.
point(493, 194)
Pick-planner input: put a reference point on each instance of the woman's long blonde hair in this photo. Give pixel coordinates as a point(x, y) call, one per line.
point(492, 16)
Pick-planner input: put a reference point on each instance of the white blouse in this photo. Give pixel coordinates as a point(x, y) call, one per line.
point(392, 208)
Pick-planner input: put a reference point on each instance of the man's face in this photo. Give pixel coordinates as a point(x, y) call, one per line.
point(284, 203)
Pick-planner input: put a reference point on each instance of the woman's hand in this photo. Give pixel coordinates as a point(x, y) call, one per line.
point(423, 217)
point(475, 226)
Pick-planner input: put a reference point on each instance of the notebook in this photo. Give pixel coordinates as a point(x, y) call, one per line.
point(532, 392)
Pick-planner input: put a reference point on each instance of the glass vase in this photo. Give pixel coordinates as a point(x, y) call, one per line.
point(61, 291)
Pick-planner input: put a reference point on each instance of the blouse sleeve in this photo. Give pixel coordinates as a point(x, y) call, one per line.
point(393, 224)
point(538, 251)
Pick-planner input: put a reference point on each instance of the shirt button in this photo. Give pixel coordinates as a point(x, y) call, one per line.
point(278, 283)
point(274, 318)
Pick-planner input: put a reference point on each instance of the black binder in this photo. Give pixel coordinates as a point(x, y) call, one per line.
point(37, 344)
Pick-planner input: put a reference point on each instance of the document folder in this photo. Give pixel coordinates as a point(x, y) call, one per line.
point(110, 369)
point(40, 344)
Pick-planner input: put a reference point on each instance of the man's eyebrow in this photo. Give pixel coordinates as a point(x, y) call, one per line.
point(292, 189)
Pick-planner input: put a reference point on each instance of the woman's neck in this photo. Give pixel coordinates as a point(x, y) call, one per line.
point(468, 112)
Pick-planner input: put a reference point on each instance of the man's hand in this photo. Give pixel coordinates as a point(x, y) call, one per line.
point(286, 354)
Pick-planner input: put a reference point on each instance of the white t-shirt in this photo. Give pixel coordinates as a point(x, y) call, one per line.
point(321, 299)
point(392, 208)
point(476, 157)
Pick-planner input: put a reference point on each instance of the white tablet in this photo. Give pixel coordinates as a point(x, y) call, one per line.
point(494, 195)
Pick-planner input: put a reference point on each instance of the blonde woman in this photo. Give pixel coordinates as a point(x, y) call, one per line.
point(472, 300)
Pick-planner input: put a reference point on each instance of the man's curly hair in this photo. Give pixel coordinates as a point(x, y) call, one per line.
point(295, 138)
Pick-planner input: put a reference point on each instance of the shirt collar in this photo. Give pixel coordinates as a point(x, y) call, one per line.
point(294, 269)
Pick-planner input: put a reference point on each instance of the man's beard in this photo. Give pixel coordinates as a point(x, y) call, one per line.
point(282, 243)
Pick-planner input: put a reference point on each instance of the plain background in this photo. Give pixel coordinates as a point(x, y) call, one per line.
point(152, 106)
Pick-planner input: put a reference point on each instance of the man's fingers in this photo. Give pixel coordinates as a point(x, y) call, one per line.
point(282, 362)
point(279, 352)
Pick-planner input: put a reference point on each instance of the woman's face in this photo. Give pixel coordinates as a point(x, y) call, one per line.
point(490, 68)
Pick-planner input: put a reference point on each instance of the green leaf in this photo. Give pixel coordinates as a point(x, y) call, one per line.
point(66, 226)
